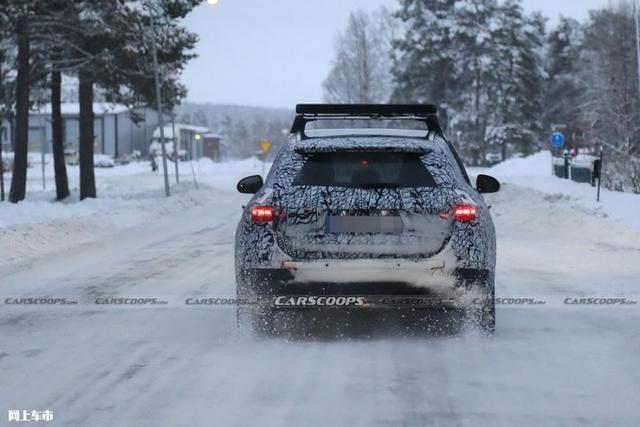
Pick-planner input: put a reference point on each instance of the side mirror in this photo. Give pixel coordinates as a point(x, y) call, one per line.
point(487, 184)
point(250, 185)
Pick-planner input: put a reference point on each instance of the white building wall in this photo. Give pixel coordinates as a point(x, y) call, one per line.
point(110, 128)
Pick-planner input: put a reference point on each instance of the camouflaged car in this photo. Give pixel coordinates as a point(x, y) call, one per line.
point(366, 217)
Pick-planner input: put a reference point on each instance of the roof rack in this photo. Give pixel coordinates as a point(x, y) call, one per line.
point(418, 112)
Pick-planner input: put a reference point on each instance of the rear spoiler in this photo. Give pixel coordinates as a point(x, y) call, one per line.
point(417, 112)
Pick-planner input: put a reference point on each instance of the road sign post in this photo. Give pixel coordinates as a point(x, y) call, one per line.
point(1, 169)
point(42, 158)
point(567, 164)
point(557, 141)
point(600, 174)
point(265, 146)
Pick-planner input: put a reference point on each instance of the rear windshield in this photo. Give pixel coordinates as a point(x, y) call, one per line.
point(364, 170)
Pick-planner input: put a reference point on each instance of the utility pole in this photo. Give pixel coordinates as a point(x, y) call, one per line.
point(156, 75)
point(635, 14)
point(193, 172)
point(2, 136)
point(1, 164)
point(175, 143)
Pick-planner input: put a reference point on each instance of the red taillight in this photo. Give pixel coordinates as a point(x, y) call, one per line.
point(464, 212)
point(261, 214)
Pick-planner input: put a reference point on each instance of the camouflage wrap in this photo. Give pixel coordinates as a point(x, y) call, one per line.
point(464, 245)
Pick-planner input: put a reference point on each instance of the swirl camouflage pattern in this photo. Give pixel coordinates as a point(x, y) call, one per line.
point(343, 218)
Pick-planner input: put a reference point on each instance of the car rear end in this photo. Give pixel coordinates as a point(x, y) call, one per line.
point(367, 219)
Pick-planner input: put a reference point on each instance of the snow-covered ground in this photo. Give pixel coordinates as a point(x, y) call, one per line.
point(548, 364)
point(128, 195)
point(129, 187)
point(535, 172)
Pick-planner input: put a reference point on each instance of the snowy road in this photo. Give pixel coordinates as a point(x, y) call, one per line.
point(551, 364)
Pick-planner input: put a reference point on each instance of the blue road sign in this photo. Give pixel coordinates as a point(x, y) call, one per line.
point(557, 139)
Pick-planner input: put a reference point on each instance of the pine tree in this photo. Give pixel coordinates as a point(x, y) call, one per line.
point(480, 61)
point(520, 78)
point(19, 173)
point(610, 107)
point(104, 43)
point(57, 142)
point(531, 78)
point(476, 98)
point(28, 23)
point(129, 77)
point(7, 82)
point(423, 59)
point(55, 55)
point(564, 65)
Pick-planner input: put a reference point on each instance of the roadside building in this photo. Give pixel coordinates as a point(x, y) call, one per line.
point(189, 140)
point(116, 133)
point(212, 146)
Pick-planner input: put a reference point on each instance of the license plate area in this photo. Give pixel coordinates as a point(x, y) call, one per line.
point(389, 224)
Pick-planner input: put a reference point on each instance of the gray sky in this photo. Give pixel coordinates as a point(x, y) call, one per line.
point(277, 53)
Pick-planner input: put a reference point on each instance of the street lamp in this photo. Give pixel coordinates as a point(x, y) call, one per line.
point(156, 76)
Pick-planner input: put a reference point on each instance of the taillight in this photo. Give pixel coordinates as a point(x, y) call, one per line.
point(261, 214)
point(464, 212)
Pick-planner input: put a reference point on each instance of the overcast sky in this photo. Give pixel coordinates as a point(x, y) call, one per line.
point(277, 53)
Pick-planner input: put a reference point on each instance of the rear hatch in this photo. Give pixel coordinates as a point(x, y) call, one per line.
point(362, 204)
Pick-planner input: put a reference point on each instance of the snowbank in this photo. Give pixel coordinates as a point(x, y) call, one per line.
point(36, 228)
point(128, 196)
point(538, 164)
point(535, 172)
point(128, 187)
point(122, 189)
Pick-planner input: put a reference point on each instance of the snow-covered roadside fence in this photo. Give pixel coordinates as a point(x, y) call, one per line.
point(580, 168)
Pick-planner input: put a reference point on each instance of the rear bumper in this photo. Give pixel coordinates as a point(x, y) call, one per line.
point(419, 273)
point(374, 279)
